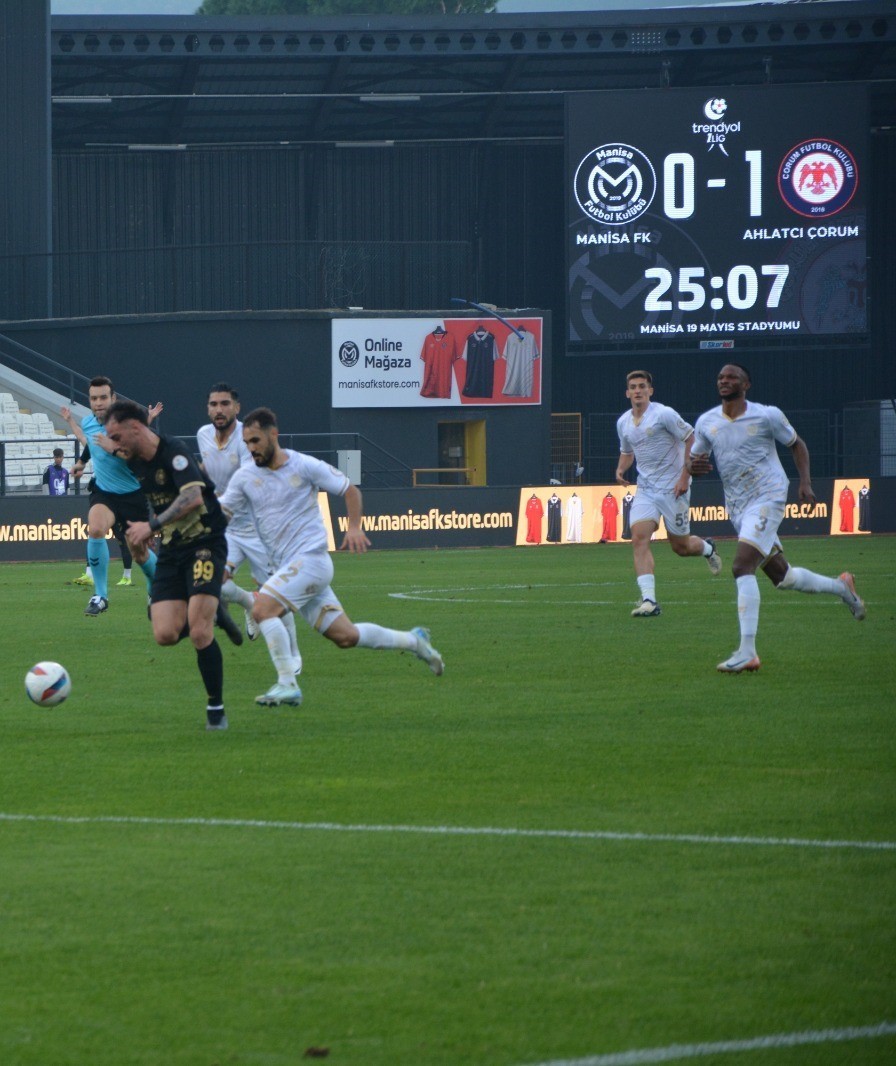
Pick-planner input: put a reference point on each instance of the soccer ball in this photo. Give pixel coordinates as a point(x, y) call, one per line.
point(48, 684)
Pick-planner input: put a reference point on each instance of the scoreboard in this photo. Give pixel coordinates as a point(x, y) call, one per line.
point(721, 213)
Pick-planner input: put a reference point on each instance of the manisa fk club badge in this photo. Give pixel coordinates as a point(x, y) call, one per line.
point(818, 178)
point(614, 184)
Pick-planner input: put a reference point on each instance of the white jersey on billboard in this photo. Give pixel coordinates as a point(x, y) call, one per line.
point(745, 454)
point(520, 354)
point(284, 505)
point(657, 442)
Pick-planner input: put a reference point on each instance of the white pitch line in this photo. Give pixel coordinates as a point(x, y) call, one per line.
point(460, 831)
point(491, 602)
point(514, 586)
point(451, 595)
point(676, 1052)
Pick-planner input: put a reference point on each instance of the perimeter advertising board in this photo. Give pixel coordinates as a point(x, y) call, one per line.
point(34, 528)
point(599, 514)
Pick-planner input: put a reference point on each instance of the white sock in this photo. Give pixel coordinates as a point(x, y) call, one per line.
point(647, 585)
point(371, 635)
point(274, 633)
point(748, 599)
point(126, 573)
point(232, 593)
point(706, 550)
point(290, 622)
point(802, 580)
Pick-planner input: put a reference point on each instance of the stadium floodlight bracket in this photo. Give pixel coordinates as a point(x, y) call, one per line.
point(488, 309)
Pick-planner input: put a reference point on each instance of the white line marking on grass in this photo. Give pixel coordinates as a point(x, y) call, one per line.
point(450, 830)
point(451, 595)
point(676, 1052)
point(492, 601)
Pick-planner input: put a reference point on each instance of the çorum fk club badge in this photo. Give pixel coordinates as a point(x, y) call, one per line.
point(818, 178)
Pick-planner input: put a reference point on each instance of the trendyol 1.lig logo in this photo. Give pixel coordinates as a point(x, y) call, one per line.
point(715, 108)
point(716, 129)
point(349, 353)
point(614, 184)
point(818, 178)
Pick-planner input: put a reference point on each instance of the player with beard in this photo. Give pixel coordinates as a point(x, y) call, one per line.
point(115, 495)
point(741, 436)
point(281, 492)
point(223, 452)
point(185, 513)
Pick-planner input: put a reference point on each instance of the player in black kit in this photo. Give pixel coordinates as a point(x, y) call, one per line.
point(187, 516)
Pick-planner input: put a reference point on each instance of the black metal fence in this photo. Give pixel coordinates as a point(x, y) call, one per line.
point(859, 440)
point(261, 276)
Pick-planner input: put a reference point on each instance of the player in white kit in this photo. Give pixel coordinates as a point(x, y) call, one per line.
point(223, 452)
point(659, 440)
point(741, 437)
point(281, 491)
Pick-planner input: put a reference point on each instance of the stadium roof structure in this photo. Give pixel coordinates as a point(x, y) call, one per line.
point(163, 83)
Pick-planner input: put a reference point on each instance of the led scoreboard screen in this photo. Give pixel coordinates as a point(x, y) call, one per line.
point(715, 214)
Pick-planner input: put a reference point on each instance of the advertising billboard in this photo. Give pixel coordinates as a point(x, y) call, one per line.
point(436, 362)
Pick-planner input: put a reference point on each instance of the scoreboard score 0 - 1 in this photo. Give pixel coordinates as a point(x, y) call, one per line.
point(716, 213)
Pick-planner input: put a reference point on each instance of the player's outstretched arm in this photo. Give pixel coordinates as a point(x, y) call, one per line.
point(67, 417)
point(188, 499)
point(355, 539)
point(800, 454)
point(623, 466)
point(684, 478)
point(103, 441)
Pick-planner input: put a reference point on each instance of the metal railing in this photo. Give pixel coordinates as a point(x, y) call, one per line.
point(22, 474)
point(43, 370)
point(447, 476)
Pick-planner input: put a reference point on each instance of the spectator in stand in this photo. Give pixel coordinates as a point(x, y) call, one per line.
point(56, 477)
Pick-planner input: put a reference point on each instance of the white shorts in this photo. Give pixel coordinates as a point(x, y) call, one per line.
point(649, 506)
point(758, 524)
point(303, 585)
point(242, 547)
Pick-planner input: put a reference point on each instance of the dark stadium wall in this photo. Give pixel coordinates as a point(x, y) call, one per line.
point(280, 360)
point(491, 197)
point(517, 438)
point(25, 212)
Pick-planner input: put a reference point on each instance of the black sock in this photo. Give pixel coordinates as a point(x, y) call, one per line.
point(211, 667)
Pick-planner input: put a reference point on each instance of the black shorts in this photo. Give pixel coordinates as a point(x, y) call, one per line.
point(192, 569)
point(126, 506)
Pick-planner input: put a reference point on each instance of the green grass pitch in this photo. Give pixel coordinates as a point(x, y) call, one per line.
point(580, 841)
